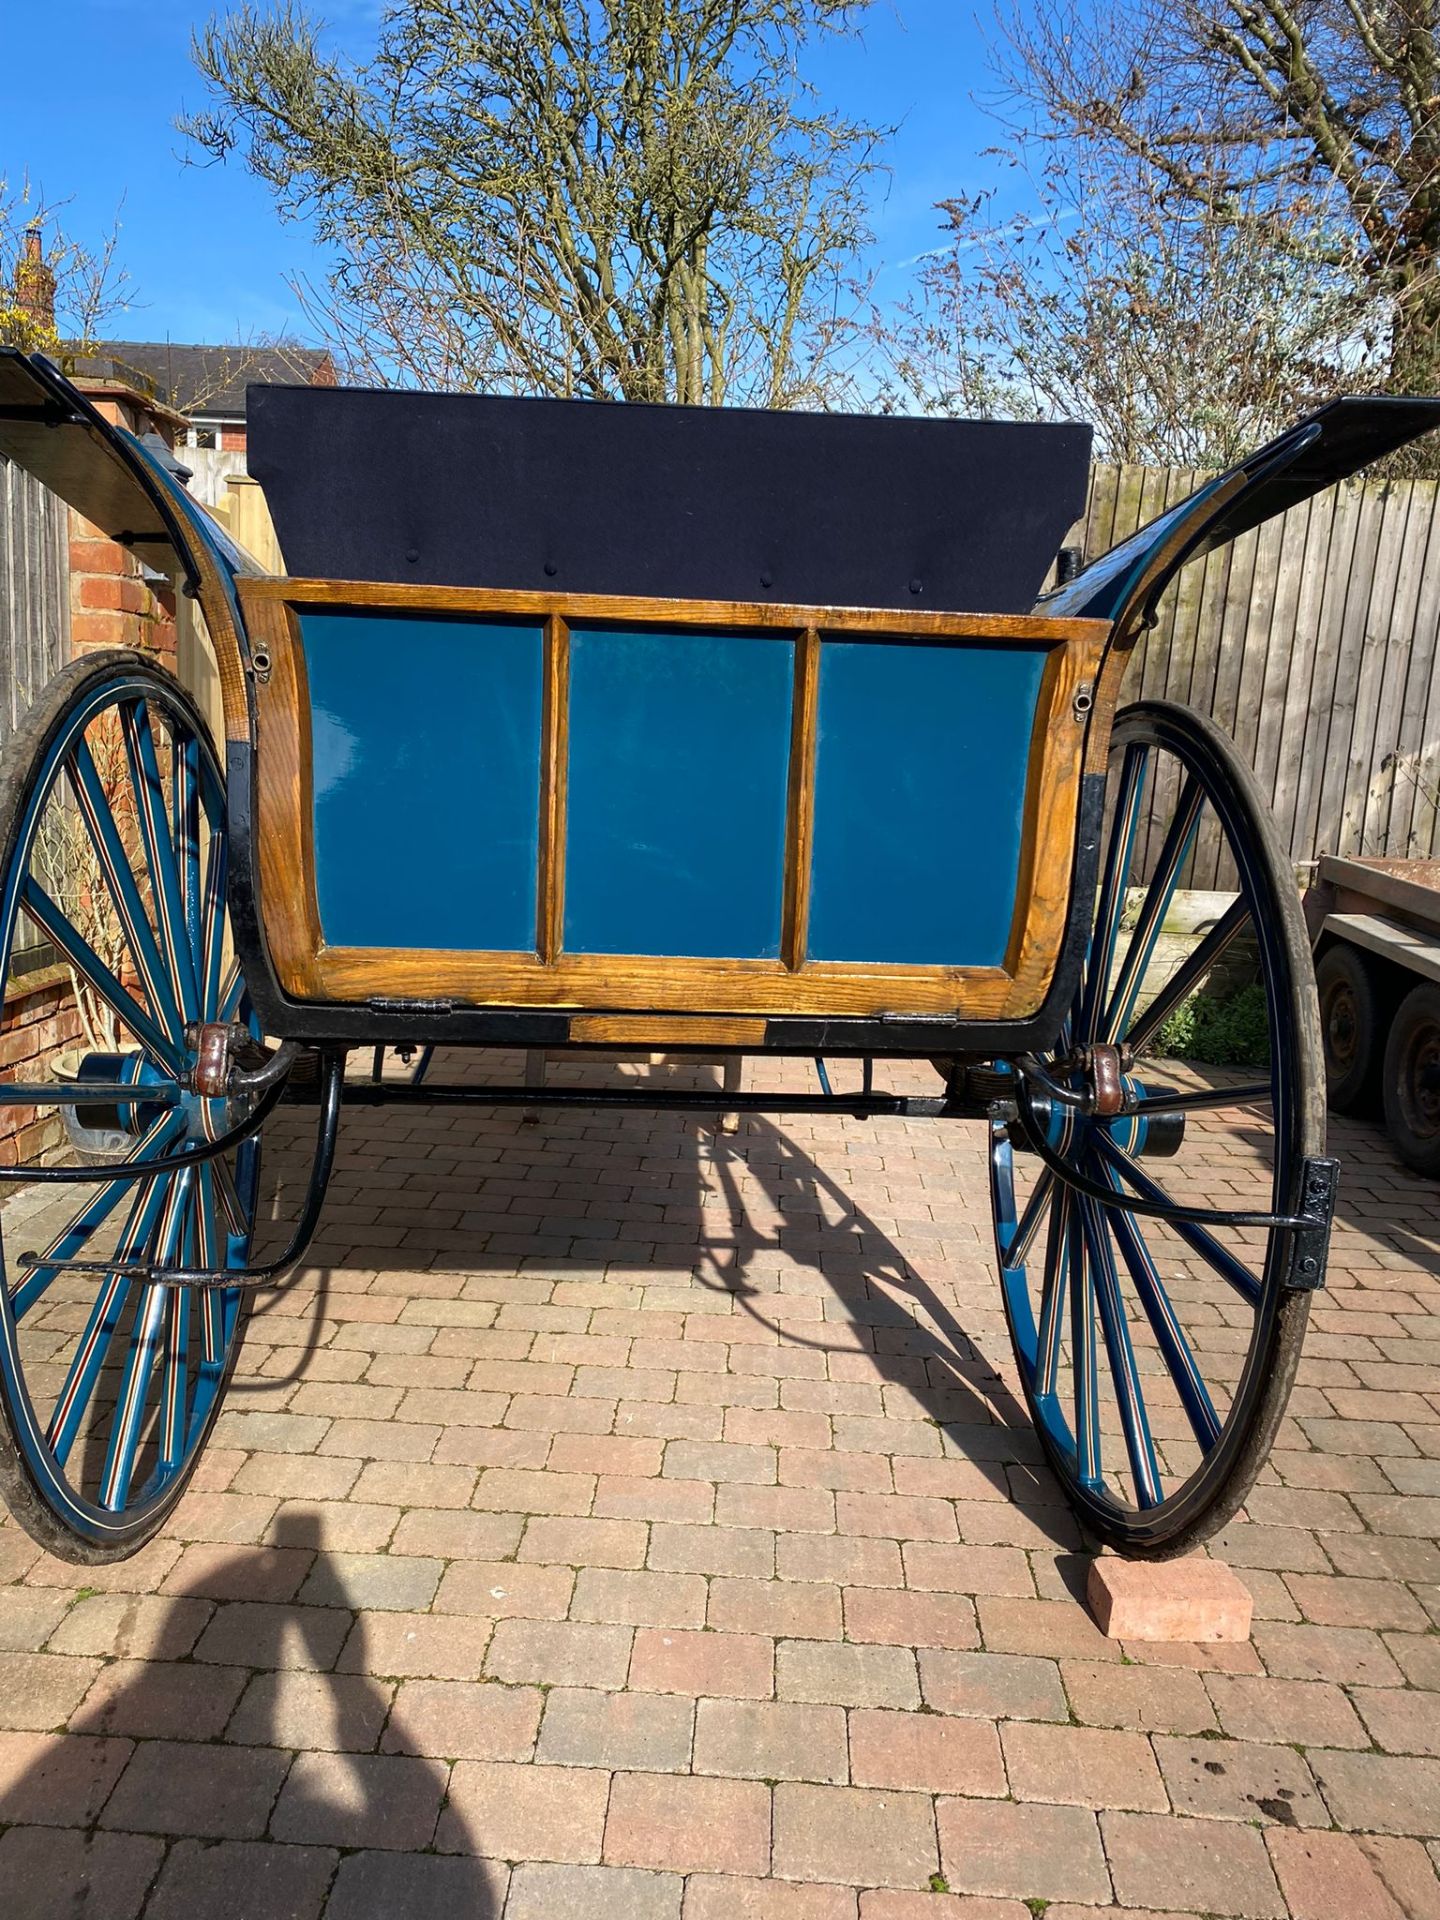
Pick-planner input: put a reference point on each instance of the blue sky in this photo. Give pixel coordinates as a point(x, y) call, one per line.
point(210, 258)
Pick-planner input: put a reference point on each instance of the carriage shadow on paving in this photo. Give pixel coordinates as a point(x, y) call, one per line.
point(357, 1559)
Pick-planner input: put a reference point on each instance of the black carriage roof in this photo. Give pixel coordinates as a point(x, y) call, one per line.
point(690, 503)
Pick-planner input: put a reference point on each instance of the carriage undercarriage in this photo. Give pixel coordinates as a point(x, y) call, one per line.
point(1156, 1307)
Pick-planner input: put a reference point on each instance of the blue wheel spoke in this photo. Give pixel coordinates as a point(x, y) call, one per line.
point(175, 1395)
point(146, 1340)
point(1031, 1218)
point(88, 964)
point(1199, 1239)
point(99, 821)
point(1083, 1357)
point(212, 1318)
point(1179, 839)
point(1120, 1352)
point(1052, 1296)
point(185, 810)
point(93, 1350)
point(160, 853)
point(213, 917)
point(1170, 1336)
point(1134, 777)
point(68, 1244)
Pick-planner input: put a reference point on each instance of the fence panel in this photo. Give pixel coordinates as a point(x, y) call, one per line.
point(1314, 640)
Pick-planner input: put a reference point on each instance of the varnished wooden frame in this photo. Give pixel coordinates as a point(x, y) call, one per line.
point(310, 970)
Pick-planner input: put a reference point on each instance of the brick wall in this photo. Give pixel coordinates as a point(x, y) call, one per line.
point(111, 605)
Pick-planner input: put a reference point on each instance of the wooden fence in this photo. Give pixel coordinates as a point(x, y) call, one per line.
point(1312, 641)
point(34, 591)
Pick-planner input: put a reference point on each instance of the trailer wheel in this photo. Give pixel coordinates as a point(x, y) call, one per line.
point(1412, 1079)
point(1353, 1027)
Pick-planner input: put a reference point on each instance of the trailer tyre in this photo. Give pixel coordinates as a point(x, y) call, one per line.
point(1352, 1023)
point(1412, 1079)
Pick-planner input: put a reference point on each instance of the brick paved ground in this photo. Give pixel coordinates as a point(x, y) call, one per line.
point(583, 1537)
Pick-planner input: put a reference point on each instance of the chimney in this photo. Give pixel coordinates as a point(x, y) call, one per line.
point(35, 284)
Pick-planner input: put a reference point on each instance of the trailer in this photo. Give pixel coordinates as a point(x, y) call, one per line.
point(1375, 925)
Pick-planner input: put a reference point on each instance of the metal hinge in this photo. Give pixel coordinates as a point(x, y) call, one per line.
point(1310, 1246)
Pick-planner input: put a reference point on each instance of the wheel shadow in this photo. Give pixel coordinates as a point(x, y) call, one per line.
point(279, 1694)
point(439, 1187)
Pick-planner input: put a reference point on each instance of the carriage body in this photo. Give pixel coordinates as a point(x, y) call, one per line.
point(660, 730)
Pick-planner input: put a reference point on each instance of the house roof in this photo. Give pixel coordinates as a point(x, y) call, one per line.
point(205, 380)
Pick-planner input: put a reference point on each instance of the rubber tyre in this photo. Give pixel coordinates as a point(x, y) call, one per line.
point(1411, 1080)
point(27, 748)
point(1352, 1025)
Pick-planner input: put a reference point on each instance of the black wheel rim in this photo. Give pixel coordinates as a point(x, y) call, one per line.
point(118, 854)
point(1157, 1358)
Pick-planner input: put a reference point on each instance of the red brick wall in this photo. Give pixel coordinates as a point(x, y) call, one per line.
point(111, 605)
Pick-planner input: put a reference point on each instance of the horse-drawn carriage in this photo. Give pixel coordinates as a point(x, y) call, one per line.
point(642, 728)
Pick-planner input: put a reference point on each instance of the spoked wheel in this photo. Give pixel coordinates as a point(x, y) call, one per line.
point(113, 866)
point(1157, 1355)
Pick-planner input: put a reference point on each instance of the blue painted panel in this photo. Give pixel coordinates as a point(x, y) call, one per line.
point(679, 752)
point(919, 789)
point(426, 737)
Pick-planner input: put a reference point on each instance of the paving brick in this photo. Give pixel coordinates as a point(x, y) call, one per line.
point(416, 1646)
point(586, 1727)
point(1231, 1780)
point(1378, 1793)
point(854, 1834)
point(1330, 1600)
point(446, 1534)
point(1084, 1767)
point(28, 1616)
point(355, 1799)
point(745, 1552)
point(216, 1572)
point(40, 1691)
point(524, 1813)
point(1307, 1713)
point(212, 1792)
point(504, 1589)
point(241, 1880)
point(729, 1897)
point(992, 1686)
point(100, 1876)
point(905, 1619)
point(416, 1887)
point(846, 1676)
point(681, 1502)
point(562, 1653)
point(132, 1628)
point(839, 1560)
point(785, 1609)
point(674, 1660)
point(59, 1780)
point(684, 1824)
point(456, 1719)
point(333, 1711)
point(585, 1543)
point(158, 1700)
point(1323, 1875)
point(933, 1752)
point(639, 1599)
point(416, 1483)
point(1151, 1699)
point(539, 1891)
point(246, 1633)
point(935, 1567)
point(770, 1740)
point(1347, 1655)
point(1030, 1852)
point(1205, 1866)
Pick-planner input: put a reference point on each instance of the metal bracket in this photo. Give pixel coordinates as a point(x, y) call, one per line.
point(425, 1009)
point(1310, 1247)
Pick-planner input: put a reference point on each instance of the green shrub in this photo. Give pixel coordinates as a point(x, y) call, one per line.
point(1228, 1031)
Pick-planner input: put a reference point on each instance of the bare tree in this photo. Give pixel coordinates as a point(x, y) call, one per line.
point(55, 290)
point(1255, 109)
point(1183, 334)
point(622, 199)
